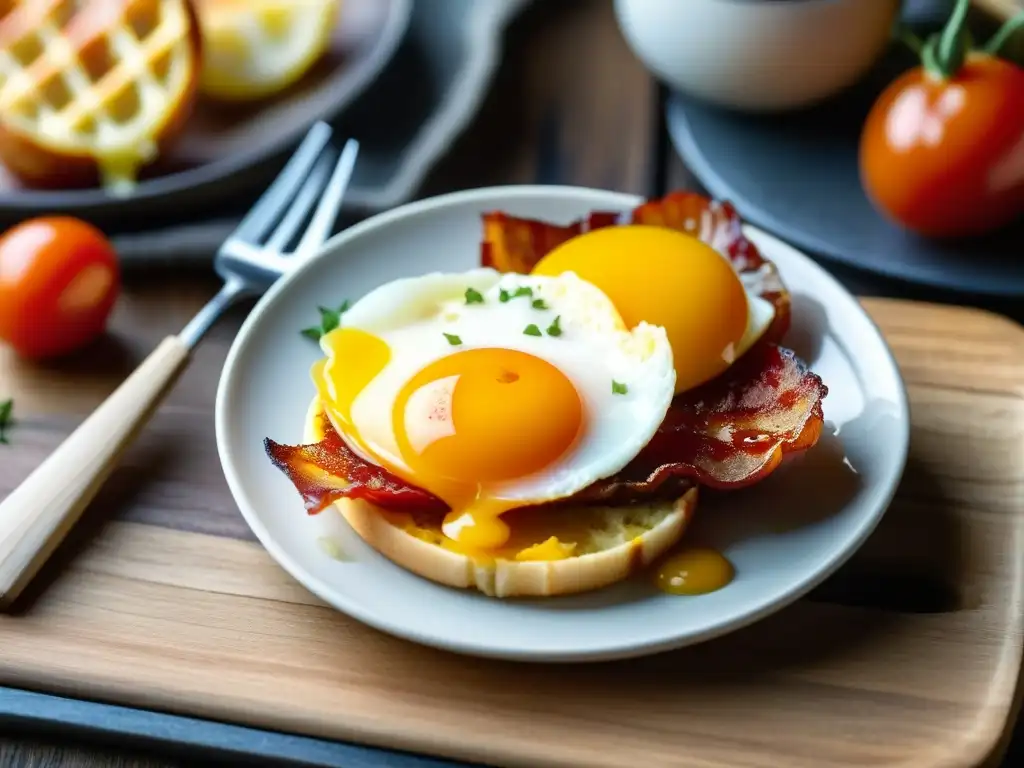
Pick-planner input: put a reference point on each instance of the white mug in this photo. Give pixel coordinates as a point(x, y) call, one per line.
point(758, 55)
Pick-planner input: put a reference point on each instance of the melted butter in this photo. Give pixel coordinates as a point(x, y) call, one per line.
point(119, 172)
point(331, 547)
point(478, 527)
point(694, 572)
point(550, 549)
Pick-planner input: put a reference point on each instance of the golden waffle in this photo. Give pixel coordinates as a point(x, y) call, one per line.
point(91, 89)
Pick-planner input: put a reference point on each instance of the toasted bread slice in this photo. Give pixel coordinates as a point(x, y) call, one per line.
point(552, 551)
point(90, 92)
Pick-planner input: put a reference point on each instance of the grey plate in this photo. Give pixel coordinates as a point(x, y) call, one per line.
point(265, 391)
point(219, 145)
point(797, 176)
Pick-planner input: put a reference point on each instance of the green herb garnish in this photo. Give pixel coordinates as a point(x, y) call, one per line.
point(504, 296)
point(522, 290)
point(539, 304)
point(619, 388)
point(453, 339)
point(474, 296)
point(329, 320)
point(532, 330)
point(6, 408)
point(555, 329)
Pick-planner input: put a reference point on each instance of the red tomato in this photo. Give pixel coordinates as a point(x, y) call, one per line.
point(945, 157)
point(59, 280)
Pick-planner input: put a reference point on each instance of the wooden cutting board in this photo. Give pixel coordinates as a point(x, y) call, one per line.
point(909, 656)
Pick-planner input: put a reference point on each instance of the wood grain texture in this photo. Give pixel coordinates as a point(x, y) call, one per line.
point(911, 652)
point(568, 97)
point(570, 104)
point(37, 515)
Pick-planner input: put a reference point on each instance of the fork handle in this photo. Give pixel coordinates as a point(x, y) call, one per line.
point(37, 515)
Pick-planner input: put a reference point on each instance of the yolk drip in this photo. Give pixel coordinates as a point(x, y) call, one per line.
point(665, 278)
point(694, 572)
point(475, 417)
point(483, 416)
point(354, 358)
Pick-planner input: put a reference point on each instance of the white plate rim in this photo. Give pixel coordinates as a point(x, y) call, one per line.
point(495, 196)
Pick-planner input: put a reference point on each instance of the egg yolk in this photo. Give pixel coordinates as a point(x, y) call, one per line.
point(666, 278)
point(483, 416)
point(475, 417)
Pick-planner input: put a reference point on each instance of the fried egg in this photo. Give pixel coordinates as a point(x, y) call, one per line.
point(494, 391)
point(673, 280)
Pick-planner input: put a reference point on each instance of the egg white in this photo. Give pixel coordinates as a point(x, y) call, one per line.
point(412, 315)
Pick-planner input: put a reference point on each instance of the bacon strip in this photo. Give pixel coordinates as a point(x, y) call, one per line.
point(329, 470)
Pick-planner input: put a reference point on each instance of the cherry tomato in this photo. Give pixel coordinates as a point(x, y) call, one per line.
point(59, 279)
point(942, 150)
point(945, 158)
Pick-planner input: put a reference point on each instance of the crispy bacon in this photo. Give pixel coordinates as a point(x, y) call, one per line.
point(329, 470)
point(512, 244)
point(728, 433)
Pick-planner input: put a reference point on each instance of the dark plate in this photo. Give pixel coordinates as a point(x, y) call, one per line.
point(797, 175)
point(222, 143)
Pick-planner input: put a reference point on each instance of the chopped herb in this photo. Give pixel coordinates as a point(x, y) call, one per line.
point(329, 320)
point(6, 408)
point(532, 330)
point(619, 389)
point(504, 296)
point(522, 290)
point(453, 339)
point(539, 304)
point(474, 296)
point(555, 329)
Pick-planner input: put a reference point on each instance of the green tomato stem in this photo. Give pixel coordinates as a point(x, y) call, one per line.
point(905, 35)
point(952, 46)
point(1006, 32)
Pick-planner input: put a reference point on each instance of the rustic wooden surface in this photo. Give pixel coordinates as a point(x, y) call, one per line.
point(570, 105)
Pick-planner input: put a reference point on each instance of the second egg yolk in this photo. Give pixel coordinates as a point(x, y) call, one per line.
point(665, 278)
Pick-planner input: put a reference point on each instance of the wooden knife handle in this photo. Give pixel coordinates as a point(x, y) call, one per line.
point(38, 514)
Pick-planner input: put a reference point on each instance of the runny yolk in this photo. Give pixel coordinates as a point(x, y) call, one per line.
point(354, 359)
point(666, 278)
point(479, 417)
point(694, 572)
point(470, 419)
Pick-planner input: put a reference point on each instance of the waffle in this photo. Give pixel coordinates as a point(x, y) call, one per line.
point(92, 90)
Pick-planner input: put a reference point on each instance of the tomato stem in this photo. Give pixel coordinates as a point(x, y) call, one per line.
point(908, 37)
point(995, 46)
point(950, 48)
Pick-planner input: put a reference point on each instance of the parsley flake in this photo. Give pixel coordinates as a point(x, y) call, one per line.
point(504, 296)
point(555, 329)
point(532, 330)
point(618, 388)
point(6, 408)
point(539, 304)
point(453, 339)
point(474, 296)
point(329, 320)
point(522, 290)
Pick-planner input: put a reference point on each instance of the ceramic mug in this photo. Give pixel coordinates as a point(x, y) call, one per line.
point(758, 55)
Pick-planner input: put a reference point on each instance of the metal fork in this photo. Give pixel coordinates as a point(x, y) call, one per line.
point(39, 513)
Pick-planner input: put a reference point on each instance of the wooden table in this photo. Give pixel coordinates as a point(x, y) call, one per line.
point(570, 105)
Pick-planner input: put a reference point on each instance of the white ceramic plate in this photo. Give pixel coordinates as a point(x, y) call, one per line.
point(784, 535)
